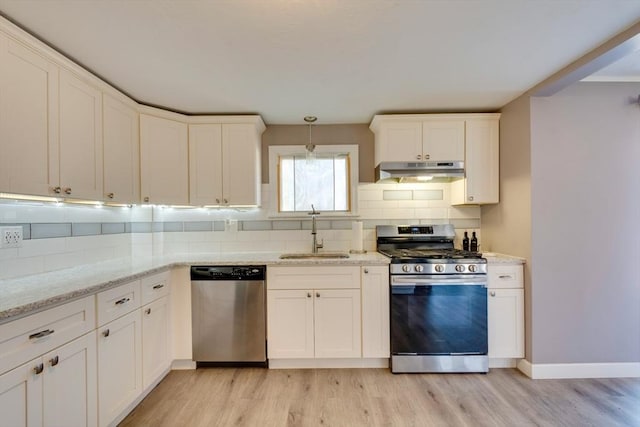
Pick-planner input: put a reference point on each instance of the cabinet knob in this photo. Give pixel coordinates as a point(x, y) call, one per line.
point(218, 201)
point(226, 202)
point(308, 294)
point(147, 311)
point(67, 191)
point(470, 198)
point(427, 156)
point(54, 361)
point(317, 294)
point(105, 333)
point(146, 199)
point(366, 271)
point(419, 157)
point(492, 293)
point(38, 369)
point(57, 190)
point(110, 195)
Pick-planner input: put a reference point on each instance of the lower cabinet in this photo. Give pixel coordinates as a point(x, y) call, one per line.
point(119, 365)
point(376, 339)
point(57, 389)
point(505, 310)
point(155, 341)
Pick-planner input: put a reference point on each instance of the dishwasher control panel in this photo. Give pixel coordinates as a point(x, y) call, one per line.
point(228, 272)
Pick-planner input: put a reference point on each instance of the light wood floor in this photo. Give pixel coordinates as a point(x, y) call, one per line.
point(375, 397)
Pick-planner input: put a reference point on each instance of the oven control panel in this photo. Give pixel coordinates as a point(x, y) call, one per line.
point(444, 268)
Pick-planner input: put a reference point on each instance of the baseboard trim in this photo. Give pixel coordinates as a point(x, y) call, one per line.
point(183, 365)
point(327, 363)
point(579, 370)
point(502, 362)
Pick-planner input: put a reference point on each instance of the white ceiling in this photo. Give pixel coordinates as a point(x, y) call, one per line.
point(340, 60)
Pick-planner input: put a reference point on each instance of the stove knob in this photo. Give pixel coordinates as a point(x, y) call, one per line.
point(419, 268)
point(459, 268)
point(439, 268)
point(406, 268)
point(473, 268)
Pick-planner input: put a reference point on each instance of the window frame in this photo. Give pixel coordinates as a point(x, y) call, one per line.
point(275, 151)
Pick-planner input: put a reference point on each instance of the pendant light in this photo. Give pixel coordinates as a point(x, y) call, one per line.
point(310, 154)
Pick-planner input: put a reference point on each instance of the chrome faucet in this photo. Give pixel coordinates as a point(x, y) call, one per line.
point(315, 245)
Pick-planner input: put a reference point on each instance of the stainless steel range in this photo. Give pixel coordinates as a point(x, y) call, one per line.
point(438, 300)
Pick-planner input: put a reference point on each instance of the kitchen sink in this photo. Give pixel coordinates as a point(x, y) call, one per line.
point(319, 255)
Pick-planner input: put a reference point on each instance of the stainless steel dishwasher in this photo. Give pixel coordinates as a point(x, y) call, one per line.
point(228, 315)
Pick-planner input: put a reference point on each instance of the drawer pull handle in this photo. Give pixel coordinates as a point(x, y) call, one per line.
point(505, 276)
point(41, 334)
point(105, 333)
point(122, 301)
point(148, 311)
point(54, 361)
point(158, 287)
point(38, 369)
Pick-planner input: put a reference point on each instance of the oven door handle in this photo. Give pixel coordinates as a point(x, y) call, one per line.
point(471, 281)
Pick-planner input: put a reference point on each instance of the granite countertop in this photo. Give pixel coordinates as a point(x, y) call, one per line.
point(28, 294)
point(496, 258)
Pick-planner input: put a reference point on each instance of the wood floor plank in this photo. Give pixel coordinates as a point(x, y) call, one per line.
point(375, 397)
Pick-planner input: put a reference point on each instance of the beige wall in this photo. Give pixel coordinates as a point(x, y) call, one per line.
point(506, 227)
point(322, 135)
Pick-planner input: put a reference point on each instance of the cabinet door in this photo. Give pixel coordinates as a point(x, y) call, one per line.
point(443, 140)
point(121, 152)
point(290, 324)
point(399, 142)
point(21, 396)
point(506, 323)
point(28, 121)
point(119, 366)
point(375, 312)
point(70, 384)
point(155, 340)
point(241, 164)
point(205, 164)
point(164, 161)
point(81, 155)
point(337, 323)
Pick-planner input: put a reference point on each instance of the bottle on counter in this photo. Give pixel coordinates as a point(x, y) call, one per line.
point(473, 247)
point(465, 242)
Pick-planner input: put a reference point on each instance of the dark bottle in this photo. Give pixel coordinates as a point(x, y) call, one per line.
point(465, 242)
point(474, 243)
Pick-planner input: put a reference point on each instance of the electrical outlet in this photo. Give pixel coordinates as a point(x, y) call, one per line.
point(10, 237)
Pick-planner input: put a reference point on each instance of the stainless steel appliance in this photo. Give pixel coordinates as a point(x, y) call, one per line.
point(438, 300)
point(419, 171)
point(228, 315)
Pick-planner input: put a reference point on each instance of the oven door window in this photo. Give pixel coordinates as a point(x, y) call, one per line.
point(439, 319)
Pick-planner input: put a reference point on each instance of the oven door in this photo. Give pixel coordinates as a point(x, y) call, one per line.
point(439, 315)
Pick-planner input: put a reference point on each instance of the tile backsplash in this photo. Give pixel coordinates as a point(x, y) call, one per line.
point(61, 235)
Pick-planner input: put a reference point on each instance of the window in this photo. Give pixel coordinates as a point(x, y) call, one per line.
point(328, 180)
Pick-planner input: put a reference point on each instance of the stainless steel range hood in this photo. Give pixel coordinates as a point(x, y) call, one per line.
point(419, 171)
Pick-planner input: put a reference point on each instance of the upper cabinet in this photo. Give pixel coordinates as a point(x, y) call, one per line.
point(28, 120)
point(410, 138)
point(164, 161)
point(482, 163)
point(121, 151)
point(224, 162)
point(80, 138)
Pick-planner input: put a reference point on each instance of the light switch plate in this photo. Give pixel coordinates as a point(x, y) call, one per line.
point(231, 225)
point(10, 237)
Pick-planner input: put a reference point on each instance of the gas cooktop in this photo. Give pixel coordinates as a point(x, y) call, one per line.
point(432, 255)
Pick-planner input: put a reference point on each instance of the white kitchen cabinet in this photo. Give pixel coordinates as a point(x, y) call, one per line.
point(505, 309)
point(482, 163)
point(164, 161)
point(28, 121)
point(156, 357)
point(313, 312)
point(81, 156)
point(375, 311)
point(224, 164)
point(121, 138)
point(57, 389)
point(410, 138)
point(119, 366)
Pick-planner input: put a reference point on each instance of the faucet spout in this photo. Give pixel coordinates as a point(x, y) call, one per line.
point(314, 231)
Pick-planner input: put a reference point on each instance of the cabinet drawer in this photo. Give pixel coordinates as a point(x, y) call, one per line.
point(32, 336)
point(117, 302)
point(505, 276)
point(154, 287)
point(314, 277)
